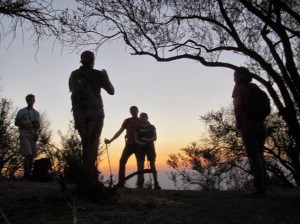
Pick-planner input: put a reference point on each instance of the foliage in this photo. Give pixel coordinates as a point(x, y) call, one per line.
point(265, 35)
point(71, 155)
point(10, 159)
point(205, 169)
point(36, 16)
point(279, 152)
point(219, 161)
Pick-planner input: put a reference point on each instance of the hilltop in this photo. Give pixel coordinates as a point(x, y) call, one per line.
point(25, 202)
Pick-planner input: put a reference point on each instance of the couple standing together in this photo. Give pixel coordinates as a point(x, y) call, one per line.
point(140, 137)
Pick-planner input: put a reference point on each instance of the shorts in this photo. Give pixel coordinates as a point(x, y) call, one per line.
point(149, 151)
point(28, 146)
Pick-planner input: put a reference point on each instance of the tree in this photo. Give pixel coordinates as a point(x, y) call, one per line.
point(36, 16)
point(198, 167)
point(265, 34)
point(220, 162)
point(10, 158)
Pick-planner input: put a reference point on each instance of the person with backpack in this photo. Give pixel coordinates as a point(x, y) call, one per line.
point(85, 85)
point(130, 125)
point(28, 121)
point(145, 135)
point(251, 107)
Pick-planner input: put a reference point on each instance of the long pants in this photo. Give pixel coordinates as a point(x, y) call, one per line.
point(127, 152)
point(89, 123)
point(254, 136)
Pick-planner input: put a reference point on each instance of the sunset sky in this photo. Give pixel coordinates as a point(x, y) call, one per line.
point(174, 94)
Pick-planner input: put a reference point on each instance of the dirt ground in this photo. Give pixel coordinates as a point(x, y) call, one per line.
point(25, 202)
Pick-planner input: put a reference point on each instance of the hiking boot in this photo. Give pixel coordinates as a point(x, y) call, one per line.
point(157, 187)
point(27, 177)
point(120, 185)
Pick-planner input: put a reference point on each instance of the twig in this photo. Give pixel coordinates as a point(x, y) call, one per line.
point(72, 207)
point(132, 175)
point(4, 216)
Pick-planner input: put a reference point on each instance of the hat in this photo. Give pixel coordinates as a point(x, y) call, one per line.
point(87, 56)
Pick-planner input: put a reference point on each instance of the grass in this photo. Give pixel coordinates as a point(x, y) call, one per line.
point(25, 202)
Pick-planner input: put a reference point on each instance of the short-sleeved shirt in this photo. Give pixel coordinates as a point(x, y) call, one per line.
point(27, 115)
point(147, 131)
point(130, 124)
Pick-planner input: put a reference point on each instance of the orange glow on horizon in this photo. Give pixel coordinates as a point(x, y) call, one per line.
point(163, 149)
point(131, 166)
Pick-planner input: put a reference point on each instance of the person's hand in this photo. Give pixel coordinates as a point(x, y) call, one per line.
point(27, 125)
point(142, 143)
point(146, 139)
point(35, 124)
point(106, 141)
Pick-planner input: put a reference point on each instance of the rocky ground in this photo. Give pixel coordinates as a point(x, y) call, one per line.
point(36, 202)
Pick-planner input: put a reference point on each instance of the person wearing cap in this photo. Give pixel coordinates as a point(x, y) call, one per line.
point(85, 85)
point(253, 132)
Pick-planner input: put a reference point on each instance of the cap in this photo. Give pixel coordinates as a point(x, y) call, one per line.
point(87, 56)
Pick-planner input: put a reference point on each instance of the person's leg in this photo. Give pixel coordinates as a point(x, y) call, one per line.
point(151, 156)
point(25, 150)
point(140, 158)
point(94, 136)
point(255, 156)
point(34, 153)
point(261, 173)
point(27, 165)
point(127, 152)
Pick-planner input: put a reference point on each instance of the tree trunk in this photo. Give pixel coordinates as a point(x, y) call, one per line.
point(294, 131)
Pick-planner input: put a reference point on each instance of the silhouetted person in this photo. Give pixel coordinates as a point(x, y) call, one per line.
point(145, 136)
point(28, 121)
point(253, 132)
point(85, 84)
point(130, 125)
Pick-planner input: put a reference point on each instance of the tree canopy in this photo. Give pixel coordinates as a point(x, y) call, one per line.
point(34, 16)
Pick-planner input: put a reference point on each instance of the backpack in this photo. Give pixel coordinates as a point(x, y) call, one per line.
point(81, 89)
point(42, 170)
point(257, 106)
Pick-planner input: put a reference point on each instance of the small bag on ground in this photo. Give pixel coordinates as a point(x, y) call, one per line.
point(42, 170)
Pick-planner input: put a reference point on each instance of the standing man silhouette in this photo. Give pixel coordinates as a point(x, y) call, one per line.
point(253, 131)
point(28, 121)
point(130, 125)
point(85, 84)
